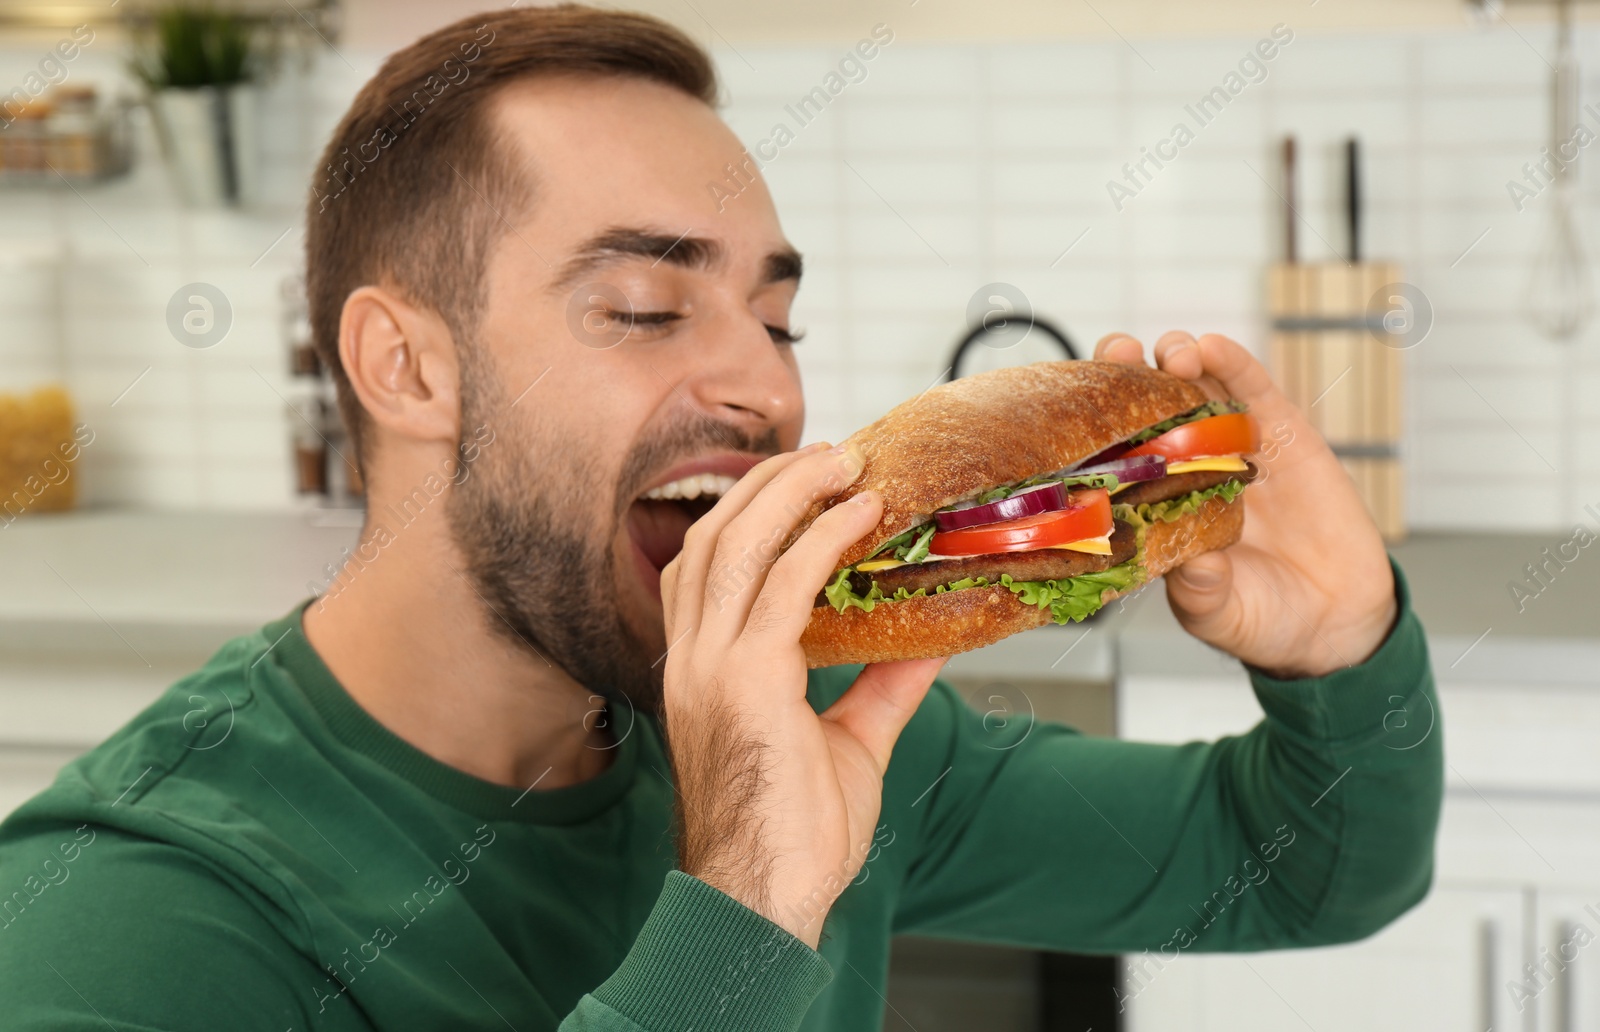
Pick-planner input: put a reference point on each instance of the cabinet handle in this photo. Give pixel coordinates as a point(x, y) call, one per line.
point(1565, 996)
point(1488, 952)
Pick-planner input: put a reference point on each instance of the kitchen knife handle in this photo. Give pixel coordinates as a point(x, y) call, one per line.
point(1290, 250)
point(1352, 193)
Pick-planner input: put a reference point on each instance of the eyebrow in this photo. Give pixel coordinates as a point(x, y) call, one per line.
point(782, 265)
point(620, 243)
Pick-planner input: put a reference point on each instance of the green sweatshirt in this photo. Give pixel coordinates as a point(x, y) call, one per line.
point(255, 852)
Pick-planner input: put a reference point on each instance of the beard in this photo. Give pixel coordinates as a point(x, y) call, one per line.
point(540, 556)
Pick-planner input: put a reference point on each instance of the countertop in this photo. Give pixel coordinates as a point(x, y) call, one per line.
point(1461, 589)
point(164, 582)
point(170, 582)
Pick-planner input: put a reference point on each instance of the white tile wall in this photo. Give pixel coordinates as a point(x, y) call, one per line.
point(1013, 167)
point(949, 167)
point(84, 282)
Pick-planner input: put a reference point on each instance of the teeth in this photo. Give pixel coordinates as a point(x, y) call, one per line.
point(712, 485)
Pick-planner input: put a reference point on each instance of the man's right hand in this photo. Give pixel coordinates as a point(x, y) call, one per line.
point(778, 803)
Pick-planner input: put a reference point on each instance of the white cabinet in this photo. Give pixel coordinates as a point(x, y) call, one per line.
point(1435, 969)
point(1507, 940)
point(1562, 985)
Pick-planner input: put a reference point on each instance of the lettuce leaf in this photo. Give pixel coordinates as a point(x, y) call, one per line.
point(1108, 481)
point(919, 548)
point(909, 546)
point(1067, 600)
point(897, 544)
point(842, 596)
point(1076, 597)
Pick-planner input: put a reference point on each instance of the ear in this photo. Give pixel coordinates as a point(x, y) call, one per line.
point(401, 362)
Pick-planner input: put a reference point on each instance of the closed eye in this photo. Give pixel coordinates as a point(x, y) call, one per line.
point(779, 334)
point(645, 318)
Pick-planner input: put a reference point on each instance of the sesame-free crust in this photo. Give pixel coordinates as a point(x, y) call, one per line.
point(959, 439)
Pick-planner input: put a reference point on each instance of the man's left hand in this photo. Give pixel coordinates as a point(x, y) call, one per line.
point(1308, 590)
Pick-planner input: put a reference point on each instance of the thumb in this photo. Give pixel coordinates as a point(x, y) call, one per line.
point(1201, 595)
point(877, 707)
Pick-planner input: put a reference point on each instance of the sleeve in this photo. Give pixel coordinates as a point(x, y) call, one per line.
point(706, 962)
point(142, 936)
point(1315, 827)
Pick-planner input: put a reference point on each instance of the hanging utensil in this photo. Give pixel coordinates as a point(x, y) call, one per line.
point(1560, 295)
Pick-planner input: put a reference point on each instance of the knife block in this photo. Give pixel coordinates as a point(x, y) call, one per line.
point(1339, 362)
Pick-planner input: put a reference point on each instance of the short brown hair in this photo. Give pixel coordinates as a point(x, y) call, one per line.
point(414, 188)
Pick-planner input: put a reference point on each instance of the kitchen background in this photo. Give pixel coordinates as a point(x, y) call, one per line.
point(949, 166)
point(973, 159)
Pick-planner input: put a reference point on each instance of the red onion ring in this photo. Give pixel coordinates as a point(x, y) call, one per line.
point(1127, 471)
point(1029, 502)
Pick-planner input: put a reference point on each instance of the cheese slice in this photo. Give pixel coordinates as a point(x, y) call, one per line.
point(1094, 546)
point(1214, 464)
point(878, 564)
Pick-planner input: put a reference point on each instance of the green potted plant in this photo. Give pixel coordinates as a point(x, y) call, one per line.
point(200, 67)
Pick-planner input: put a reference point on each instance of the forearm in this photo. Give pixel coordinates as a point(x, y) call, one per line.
point(1351, 766)
point(1316, 826)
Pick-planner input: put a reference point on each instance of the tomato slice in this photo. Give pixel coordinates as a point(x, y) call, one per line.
point(1087, 515)
point(1233, 433)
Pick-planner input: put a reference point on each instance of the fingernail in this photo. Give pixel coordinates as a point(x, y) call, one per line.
point(814, 446)
point(864, 498)
point(838, 449)
point(1172, 351)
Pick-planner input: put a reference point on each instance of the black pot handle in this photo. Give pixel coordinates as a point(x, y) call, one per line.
point(979, 331)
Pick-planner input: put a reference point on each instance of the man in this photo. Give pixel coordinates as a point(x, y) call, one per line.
point(445, 799)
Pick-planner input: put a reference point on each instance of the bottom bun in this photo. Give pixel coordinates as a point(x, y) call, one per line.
point(959, 621)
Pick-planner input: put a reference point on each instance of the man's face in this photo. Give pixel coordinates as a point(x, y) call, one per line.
point(634, 342)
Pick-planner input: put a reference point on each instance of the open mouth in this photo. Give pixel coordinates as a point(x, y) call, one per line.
point(659, 518)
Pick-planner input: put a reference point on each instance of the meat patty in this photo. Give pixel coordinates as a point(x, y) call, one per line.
point(1176, 486)
point(1037, 565)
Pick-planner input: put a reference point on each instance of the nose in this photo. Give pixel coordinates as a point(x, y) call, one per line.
point(739, 375)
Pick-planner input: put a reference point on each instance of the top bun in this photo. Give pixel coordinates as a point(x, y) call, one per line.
point(961, 438)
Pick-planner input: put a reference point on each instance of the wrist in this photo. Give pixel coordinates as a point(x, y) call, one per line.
point(1366, 640)
point(736, 861)
point(1338, 648)
point(728, 969)
point(749, 882)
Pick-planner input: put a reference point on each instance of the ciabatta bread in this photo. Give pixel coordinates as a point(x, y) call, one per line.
point(960, 439)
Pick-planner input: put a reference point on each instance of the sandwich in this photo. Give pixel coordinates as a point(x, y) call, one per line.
point(1027, 496)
